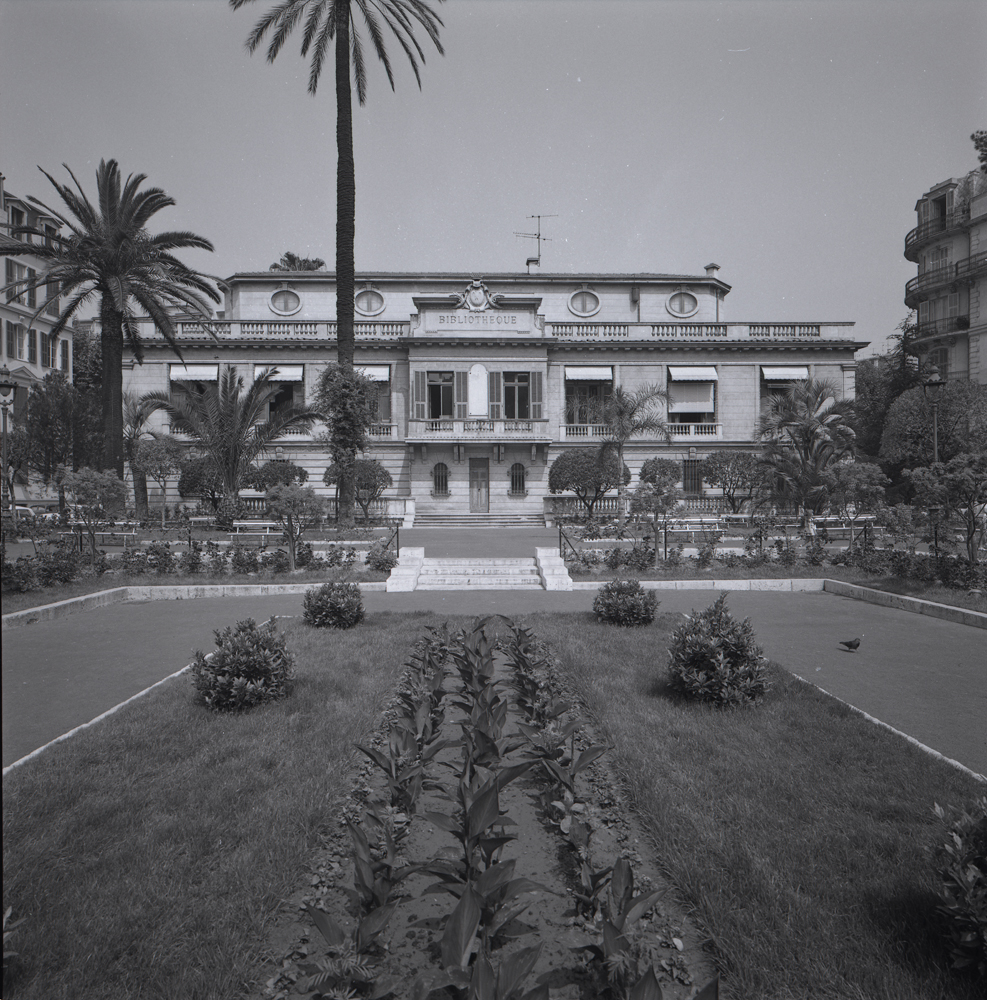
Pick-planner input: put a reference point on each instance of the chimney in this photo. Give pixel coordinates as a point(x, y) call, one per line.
point(711, 270)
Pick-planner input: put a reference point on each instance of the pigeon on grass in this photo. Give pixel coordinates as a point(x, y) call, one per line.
point(851, 644)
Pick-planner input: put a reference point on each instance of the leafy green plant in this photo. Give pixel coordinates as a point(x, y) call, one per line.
point(714, 658)
point(243, 560)
point(160, 558)
point(250, 665)
point(191, 560)
point(625, 602)
point(963, 859)
point(381, 559)
point(277, 561)
point(333, 605)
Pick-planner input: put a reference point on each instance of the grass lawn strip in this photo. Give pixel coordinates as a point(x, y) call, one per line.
point(799, 831)
point(148, 854)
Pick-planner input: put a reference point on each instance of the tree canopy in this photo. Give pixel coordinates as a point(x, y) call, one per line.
point(108, 253)
point(370, 477)
point(962, 422)
point(959, 488)
point(588, 473)
point(740, 475)
point(292, 262)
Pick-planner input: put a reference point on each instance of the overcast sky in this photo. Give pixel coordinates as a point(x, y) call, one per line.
point(785, 141)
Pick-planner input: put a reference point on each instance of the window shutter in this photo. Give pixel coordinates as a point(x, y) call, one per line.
point(496, 381)
point(11, 338)
point(923, 312)
point(462, 395)
point(65, 355)
point(419, 397)
point(32, 347)
point(954, 304)
point(949, 202)
point(536, 395)
point(32, 292)
point(45, 351)
point(9, 275)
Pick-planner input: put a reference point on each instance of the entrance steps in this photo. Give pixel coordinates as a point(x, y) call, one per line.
point(479, 574)
point(479, 521)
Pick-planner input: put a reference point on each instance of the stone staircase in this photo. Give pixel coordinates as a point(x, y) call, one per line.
point(479, 574)
point(479, 521)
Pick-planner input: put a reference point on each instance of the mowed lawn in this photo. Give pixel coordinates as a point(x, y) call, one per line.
point(149, 853)
point(800, 833)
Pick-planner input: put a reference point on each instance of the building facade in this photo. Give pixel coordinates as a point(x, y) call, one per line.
point(949, 247)
point(484, 381)
point(29, 350)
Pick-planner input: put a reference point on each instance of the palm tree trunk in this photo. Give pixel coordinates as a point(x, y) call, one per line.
point(345, 236)
point(140, 494)
point(112, 389)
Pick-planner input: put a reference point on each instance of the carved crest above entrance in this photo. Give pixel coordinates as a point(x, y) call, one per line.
point(476, 298)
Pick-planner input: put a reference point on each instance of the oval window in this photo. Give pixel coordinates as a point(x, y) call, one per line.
point(683, 304)
point(584, 303)
point(369, 302)
point(285, 301)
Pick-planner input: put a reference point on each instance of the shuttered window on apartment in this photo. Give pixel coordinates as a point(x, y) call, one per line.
point(462, 395)
point(32, 292)
point(45, 351)
point(495, 397)
point(65, 356)
point(420, 395)
point(537, 394)
point(32, 347)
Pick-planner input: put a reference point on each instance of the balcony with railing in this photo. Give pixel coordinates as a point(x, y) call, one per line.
point(280, 331)
point(922, 286)
point(708, 432)
point(933, 229)
point(698, 332)
point(941, 327)
point(478, 429)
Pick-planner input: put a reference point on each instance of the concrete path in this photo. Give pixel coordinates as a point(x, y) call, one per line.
point(921, 675)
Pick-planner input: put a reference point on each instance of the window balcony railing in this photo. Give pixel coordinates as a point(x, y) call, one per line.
point(383, 430)
point(707, 431)
point(585, 431)
point(919, 287)
point(933, 228)
point(479, 428)
point(941, 327)
point(279, 330)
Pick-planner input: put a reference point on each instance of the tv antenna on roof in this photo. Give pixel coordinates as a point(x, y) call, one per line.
point(536, 236)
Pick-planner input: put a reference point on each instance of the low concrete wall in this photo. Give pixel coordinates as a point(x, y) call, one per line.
point(120, 595)
point(780, 585)
point(945, 611)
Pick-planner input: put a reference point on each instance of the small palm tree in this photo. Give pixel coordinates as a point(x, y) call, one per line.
point(627, 414)
point(224, 422)
point(135, 415)
point(332, 22)
point(805, 431)
point(108, 253)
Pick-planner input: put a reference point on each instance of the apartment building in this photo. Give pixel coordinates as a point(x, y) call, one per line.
point(949, 247)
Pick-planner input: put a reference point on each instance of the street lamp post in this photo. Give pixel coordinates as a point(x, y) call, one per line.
point(932, 387)
point(7, 389)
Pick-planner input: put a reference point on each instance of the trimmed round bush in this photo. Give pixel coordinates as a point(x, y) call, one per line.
point(250, 665)
point(713, 657)
point(625, 602)
point(333, 605)
point(380, 559)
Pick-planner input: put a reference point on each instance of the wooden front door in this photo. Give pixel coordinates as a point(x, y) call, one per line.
point(479, 485)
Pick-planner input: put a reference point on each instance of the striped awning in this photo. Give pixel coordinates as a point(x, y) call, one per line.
point(376, 373)
point(790, 373)
point(588, 373)
point(284, 373)
point(678, 373)
point(691, 397)
point(193, 373)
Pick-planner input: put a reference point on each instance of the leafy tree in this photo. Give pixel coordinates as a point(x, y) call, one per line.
point(277, 473)
point(224, 423)
point(292, 262)
point(295, 508)
point(372, 479)
point(959, 487)
point(199, 477)
point(333, 21)
point(658, 493)
point(159, 457)
point(624, 415)
point(805, 431)
point(347, 401)
point(588, 473)
point(739, 474)
point(108, 253)
point(95, 495)
point(855, 489)
point(135, 415)
point(962, 422)
point(979, 140)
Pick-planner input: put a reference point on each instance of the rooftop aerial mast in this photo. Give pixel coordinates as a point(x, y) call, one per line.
point(536, 236)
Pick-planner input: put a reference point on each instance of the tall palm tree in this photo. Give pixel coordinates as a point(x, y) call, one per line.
point(108, 252)
point(332, 21)
point(626, 414)
point(225, 423)
point(804, 432)
point(135, 415)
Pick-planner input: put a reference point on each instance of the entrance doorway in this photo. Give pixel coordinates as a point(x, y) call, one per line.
point(479, 485)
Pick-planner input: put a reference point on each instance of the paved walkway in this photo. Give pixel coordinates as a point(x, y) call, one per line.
point(921, 675)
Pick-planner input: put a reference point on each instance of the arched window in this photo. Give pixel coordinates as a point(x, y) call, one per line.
point(517, 478)
point(440, 480)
